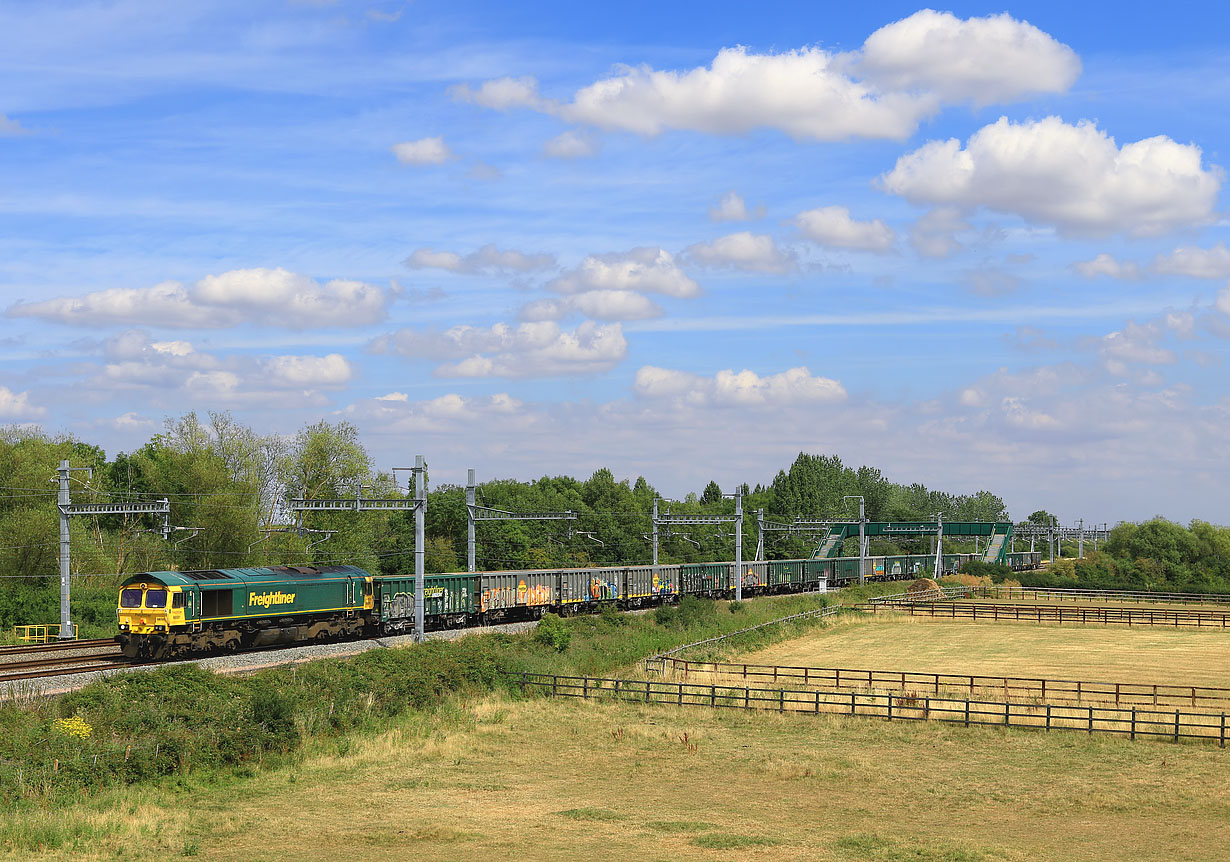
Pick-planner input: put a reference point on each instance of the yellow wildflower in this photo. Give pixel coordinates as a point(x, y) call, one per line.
point(76, 727)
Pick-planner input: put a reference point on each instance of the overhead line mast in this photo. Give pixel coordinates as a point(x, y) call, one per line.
point(359, 503)
point(67, 510)
point(476, 513)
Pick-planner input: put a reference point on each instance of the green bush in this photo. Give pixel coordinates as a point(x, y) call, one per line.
point(666, 616)
point(735, 607)
point(695, 611)
point(552, 631)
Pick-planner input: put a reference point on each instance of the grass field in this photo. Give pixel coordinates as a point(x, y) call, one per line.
point(552, 780)
point(1082, 602)
point(929, 645)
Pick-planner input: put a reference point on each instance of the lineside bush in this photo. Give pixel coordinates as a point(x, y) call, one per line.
point(180, 719)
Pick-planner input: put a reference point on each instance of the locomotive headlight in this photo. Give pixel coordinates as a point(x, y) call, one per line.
point(160, 628)
point(123, 627)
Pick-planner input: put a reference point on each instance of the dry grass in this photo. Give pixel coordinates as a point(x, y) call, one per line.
point(1059, 600)
point(929, 645)
point(572, 780)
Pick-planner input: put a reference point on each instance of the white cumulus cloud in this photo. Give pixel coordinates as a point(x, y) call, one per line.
point(732, 207)
point(309, 371)
point(904, 73)
point(609, 305)
point(16, 405)
point(744, 251)
point(424, 151)
point(833, 227)
point(487, 259)
point(647, 270)
point(804, 93)
point(1073, 177)
point(744, 388)
point(934, 234)
point(501, 94)
point(980, 60)
point(571, 145)
point(1107, 265)
point(1196, 262)
point(532, 349)
point(272, 297)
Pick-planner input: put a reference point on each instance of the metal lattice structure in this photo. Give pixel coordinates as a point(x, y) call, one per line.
point(416, 504)
point(68, 510)
point(476, 513)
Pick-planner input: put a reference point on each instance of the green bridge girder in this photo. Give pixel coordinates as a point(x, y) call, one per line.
point(996, 552)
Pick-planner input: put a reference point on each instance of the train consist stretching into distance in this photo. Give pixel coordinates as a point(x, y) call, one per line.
point(168, 614)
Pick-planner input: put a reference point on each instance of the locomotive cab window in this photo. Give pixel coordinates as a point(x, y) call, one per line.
point(177, 600)
point(130, 598)
point(155, 598)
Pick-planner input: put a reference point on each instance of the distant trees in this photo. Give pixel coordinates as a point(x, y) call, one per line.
point(233, 483)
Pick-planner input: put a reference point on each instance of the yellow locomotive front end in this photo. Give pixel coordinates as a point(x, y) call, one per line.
point(147, 614)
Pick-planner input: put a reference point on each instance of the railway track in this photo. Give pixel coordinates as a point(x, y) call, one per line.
point(33, 661)
point(58, 646)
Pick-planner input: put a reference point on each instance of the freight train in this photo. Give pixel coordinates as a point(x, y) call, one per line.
point(168, 614)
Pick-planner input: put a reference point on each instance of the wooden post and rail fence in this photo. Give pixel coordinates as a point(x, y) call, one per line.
point(1133, 722)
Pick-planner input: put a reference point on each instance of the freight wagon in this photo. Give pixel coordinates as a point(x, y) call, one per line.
point(162, 614)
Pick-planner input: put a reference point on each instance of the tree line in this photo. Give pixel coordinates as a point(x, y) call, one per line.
point(233, 486)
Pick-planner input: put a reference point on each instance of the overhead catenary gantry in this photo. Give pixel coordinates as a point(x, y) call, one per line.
point(67, 510)
point(359, 503)
point(706, 520)
point(476, 513)
point(798, 526)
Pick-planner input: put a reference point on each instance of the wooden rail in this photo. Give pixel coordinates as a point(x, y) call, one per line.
point(1010, 688)
point(1133, 722)
point(1059, 614)
point(1075, 595)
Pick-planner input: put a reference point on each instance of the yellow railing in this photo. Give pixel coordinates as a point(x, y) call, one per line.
point(37, 634)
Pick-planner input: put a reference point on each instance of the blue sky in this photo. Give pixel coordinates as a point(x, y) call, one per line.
point(978, 247)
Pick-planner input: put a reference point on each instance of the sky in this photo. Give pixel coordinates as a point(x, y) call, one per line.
point(976, 247)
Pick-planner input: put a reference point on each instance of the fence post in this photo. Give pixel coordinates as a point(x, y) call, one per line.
point(1007, 708)
point(817, 709)
point(1091, 719)
point(1223, 730)
point(747, 693)
point(1176, 725)
point(890, 707)
point(617, 689)
point(524, 678)
point(554, 684)
point(1133, 723)
point(926, 709)
point(713, 695)
point(1048, 716)
point(585, 688)
point(681, 694)
point(967, 713)
point(781, 700)
point(648, 684)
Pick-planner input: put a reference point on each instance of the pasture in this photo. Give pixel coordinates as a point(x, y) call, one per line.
point(935, 645)
point(546, 780)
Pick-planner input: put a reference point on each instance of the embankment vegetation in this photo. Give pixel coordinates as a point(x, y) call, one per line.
point(179, 721)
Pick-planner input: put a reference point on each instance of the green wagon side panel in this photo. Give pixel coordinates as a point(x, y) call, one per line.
point(704, 577)
point(442, 594)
